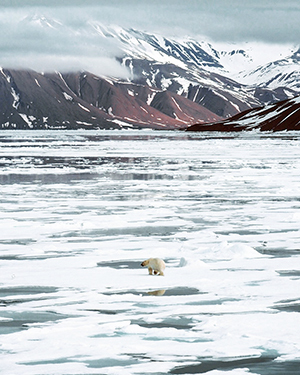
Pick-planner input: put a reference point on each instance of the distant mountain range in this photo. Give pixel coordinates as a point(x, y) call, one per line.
point(171, 84)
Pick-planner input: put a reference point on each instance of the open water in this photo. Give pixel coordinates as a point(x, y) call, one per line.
point(79, 212)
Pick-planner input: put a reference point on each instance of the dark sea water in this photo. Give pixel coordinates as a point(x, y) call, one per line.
point(80, 211)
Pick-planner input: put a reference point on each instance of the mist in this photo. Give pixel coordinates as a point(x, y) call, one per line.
point(56, 35)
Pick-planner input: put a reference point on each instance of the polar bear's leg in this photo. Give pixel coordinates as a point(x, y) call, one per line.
point(150, 270)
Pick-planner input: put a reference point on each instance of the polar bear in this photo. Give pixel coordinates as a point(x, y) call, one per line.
point(156, 265)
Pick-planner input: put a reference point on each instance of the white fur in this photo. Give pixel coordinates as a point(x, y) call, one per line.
point(155, 265)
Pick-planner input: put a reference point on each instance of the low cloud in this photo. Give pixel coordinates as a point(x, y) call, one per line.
point(59, 35)
point(101, 66)
point(45, 44)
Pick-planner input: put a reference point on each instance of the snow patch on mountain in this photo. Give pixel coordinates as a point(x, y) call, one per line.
point(42, 21)
point(7, 77)
point(16, 97)
point(168, 80)
point(240, 59)
point(83, 107)
point(67, 96)
point(37, 82)
point(27, 119)
point(281, 73)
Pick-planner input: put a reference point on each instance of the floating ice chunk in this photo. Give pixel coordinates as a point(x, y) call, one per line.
point(4, 319)
point(232, 251)
point(182, 263)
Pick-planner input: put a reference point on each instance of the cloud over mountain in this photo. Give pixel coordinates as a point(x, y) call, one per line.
point(49, 45)
point(268, 20)
point(44, 44)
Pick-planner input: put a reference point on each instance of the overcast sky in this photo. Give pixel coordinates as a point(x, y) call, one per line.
point(24, 44)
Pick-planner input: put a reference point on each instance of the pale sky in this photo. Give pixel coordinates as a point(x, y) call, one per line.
point(26, 44)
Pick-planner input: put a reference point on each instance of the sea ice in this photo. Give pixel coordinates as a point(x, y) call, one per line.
point(81, 210)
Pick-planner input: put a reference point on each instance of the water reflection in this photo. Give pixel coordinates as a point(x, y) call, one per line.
point(45, 178)
point(157, 292)
point(70, 162)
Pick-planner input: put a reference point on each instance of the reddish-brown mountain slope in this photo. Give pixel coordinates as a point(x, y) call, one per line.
point(84, 100)
point(284, 115)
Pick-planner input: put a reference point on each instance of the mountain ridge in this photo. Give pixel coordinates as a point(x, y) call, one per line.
point(171, 84)
point(280, 116)
point(84, 100)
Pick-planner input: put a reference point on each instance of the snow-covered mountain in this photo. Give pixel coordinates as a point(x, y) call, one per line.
point(284, 115)
point(84, 100)
point(171, 83)
point(283, 72)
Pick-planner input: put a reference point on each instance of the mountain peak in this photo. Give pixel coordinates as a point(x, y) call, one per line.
point(40, 20)
point(167, 81)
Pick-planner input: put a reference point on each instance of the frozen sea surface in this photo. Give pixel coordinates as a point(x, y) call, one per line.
point(81, 210)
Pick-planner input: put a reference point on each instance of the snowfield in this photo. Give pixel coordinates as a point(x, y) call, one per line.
point(80, 211)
